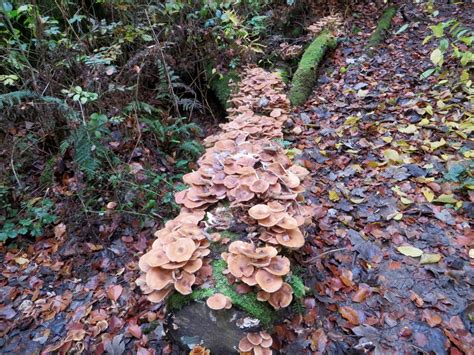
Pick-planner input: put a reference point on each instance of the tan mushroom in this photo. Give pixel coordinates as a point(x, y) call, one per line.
point(259, 212)
point(239, 266)
point(184, 283)
point(157, 278)
point(279, 265)
point(218, 301)
point(159, 295)
point(288, 222)
point(180, 250)
point(293, 238)
point(245, 345)
point(272, 220)
point(267, 281)
point(281, 298)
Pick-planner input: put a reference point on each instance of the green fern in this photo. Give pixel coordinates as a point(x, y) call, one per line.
point(193, 148)
point(14, 98)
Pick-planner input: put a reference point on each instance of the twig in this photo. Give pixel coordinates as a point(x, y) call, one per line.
point(12, 164)
point(313, 259)
point(168, 78)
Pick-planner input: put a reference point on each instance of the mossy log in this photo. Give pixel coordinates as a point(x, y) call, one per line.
point(222, 88)
point(305, 76)
point(382, 28)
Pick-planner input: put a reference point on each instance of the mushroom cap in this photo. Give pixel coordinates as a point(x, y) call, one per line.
point(282, 298)
point(259, 253)
point(245, 345)
point(184, 284)
point(288, 222)
point(173, 266)
point(158, 279)
point(180, 250)
point(259, 211)
point(251, 281)
point(275, 206)
point(192, 266)
point(180, 197)
point(263, 296)
point(273, 219)
point(194, 178)
point(291, 180)
point(217, 301)
point(159, 295)
point(239, 266)
point(267, 281)
point(293, 238)
point(279, 265)
point(299, 171)
point(155, 257)
point(243, 194)
point(254, 338)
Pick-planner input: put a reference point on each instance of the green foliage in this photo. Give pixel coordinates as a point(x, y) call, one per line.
point(221, 85)
point(177, 301)
point(454, 45)
point(248, 302)
point(382, 27)
point(305, 76)
point(30, 219)
point(297, 285)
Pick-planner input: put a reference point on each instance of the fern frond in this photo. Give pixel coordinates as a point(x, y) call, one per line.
point(189, 104)
point(14, 98)
point(194, 148)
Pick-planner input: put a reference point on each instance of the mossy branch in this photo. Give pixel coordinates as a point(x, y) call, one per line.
point(305, 76)
point(382, 28)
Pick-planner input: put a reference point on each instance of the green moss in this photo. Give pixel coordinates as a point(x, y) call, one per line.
point(230, 235)
point(297, 285)
point(222, 88)
point(305, 76)
point(382, 27)
point(177, 301)
point(247, 302)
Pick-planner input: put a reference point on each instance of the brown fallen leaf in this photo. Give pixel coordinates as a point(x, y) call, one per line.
point(59, 230)
point(114, 292)
point(350, 314)
point(432, 318)
point(135, 330)
point(362, 293)
point(417, 299)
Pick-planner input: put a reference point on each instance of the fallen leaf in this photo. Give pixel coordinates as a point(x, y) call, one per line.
point(392, 155)
point(429, 195)
point(362, 293)
point(444, 198)
point(430, 258)
point(21, 261)
point(350, 314)
point(114, 292)
point(432, 318)
point(417, 299)
point(333, 196)
point(410, 251)
point(59, 230)
point(471, 253)
point(135, 330)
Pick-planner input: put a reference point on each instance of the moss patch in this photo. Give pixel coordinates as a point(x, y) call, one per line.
point(382, 27)
point(222, 88)
point(305, 76)
point(247, 302)
point(297, 285)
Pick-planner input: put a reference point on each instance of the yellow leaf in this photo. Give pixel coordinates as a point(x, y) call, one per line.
point(333, 196)
point(351, 120)
point(410, 129)
point(21, 261)
point(469, 154)
point(406, 201)
point(444, 198)
point(410, 251)
point(429, 195)
point(471, 253)
point(357, 200)
point(387, 139)
point(392, 155)
point(430, 258)
point(398, 216)
point(424, 122)
point(438, 144)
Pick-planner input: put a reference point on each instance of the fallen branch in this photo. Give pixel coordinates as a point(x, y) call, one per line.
point(382, 27)
point(305, 76)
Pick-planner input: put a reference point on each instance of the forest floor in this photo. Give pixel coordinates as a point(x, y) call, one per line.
point(386, 172)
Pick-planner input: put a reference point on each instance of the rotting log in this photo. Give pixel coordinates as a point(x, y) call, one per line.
point(305, 76)
point(382, 27)
point(219, 331)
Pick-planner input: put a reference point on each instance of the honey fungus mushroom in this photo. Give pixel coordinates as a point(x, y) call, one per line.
point(219, 301)
point(256, 343)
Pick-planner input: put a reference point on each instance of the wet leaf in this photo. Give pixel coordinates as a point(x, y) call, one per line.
point(362, 293)
point(410, 251)
point(333, 196)
point(392, 155)
point(350, 314)
point(114, 292)
point(446, 199)
point(428, 258)
point(428, 193)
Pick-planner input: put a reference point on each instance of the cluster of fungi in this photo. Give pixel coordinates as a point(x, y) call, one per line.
point(245, 166)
